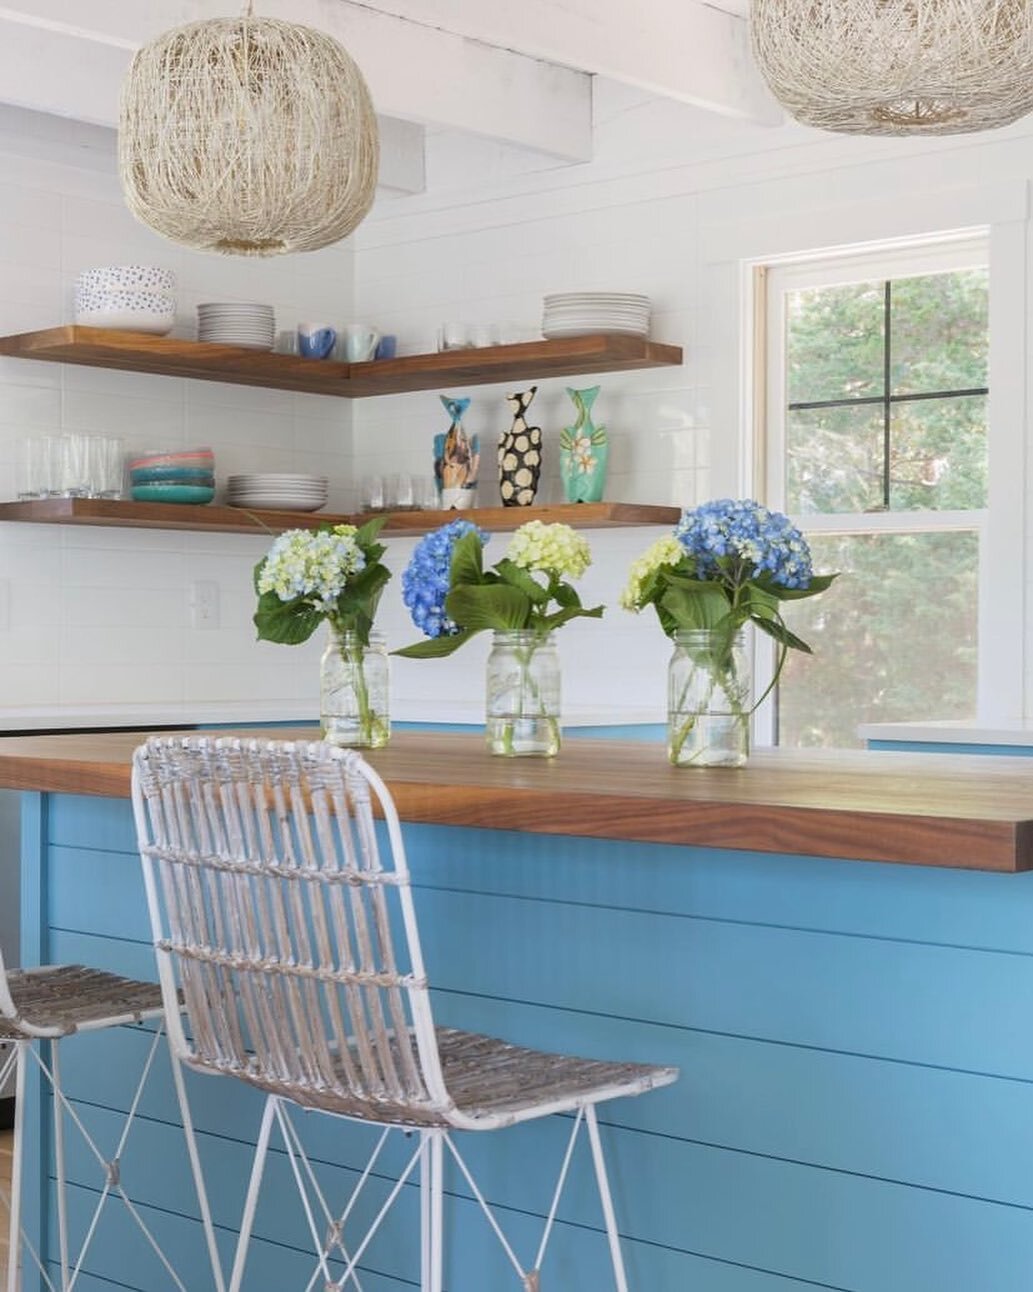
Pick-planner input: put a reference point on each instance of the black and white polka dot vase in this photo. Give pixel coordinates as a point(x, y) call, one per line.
point(520, 454)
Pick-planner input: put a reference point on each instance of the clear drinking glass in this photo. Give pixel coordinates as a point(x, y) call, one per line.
point(399, 492)
point(105, 455)
point(425, 493)
point(373, 493)
point(453, 336)
point(32, 478)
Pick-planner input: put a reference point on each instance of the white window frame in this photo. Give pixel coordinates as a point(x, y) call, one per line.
point(772, 284)
point(811, 218)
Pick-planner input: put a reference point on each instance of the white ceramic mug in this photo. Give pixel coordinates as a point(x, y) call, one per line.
point(360, 342)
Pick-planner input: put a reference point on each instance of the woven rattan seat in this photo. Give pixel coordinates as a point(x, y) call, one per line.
point(61, 999)
point(285, 914)
point(491, 1081)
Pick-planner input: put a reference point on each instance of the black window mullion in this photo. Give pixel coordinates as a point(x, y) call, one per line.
point(886, 377)
point(805, 404)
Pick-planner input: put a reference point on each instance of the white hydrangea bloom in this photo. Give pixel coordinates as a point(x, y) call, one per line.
point(312, 564)
point(665, 551)
point(553, 549)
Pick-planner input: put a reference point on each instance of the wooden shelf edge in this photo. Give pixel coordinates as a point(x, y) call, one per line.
point(235, 520)
point(205, 361)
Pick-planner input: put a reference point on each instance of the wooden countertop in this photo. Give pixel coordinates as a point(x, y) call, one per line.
point(921, 809)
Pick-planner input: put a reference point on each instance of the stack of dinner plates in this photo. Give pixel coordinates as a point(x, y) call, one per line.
point(250, 326)
point(584, 313)
point(278, 491)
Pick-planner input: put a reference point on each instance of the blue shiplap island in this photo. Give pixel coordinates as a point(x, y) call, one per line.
point(854, 1033)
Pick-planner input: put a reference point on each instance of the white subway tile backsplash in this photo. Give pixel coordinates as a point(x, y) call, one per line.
point(151, 422)
point(123, 683)
point(27, 684)
point(113, 609)
point(139, 643)
point(28, 408)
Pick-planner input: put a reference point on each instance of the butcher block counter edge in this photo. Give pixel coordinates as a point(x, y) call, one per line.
point(917, 809)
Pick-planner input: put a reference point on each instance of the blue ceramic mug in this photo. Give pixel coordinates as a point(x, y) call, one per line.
point(315, 340)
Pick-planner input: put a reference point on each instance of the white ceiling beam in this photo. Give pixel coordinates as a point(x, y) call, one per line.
point(80, 74)
point(403, 162)
point(75, 55)
point(686, 50)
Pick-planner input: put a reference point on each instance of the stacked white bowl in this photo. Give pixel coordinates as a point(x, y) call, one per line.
point(133, 298)
point(278, 491)
point(237, 323)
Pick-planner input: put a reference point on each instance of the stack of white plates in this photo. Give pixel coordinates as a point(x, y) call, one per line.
point(584, 313)
point(278, 490)
point(251, 326)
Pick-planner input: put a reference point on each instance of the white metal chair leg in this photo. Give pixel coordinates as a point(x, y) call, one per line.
point(59, 1160)
point(14, 1240)
point(254, 1185)
point(195, 1167)
point(425, 1211)
point(605, 1198)
point(436, 1210)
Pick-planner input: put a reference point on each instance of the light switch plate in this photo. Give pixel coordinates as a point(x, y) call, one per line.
point(204, 604)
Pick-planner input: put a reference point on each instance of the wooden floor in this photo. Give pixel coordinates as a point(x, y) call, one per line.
point(5, 1183)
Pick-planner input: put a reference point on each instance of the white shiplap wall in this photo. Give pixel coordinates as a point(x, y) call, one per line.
point(674, 197)
point(99, 617)
point(674, 205)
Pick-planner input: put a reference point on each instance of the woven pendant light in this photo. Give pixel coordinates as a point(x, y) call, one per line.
point(248, 136)
point(897, 67)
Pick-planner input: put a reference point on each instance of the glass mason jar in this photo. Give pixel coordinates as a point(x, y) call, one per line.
point(708, 699)
point(522, 712)
point(353, 690)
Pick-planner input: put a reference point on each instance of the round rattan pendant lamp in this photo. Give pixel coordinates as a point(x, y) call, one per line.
point(247, 136)
point(897, 67)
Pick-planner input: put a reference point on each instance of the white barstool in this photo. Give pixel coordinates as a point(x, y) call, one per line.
point(40, 1009)
point(272, 909)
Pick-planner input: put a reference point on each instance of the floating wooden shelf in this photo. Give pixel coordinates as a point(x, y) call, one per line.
point(237, 520)
point(204, 361)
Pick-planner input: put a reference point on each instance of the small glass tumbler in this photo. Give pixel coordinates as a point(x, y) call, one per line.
point(105, 466)
point(425, 493)
point(67, 466)
point(372, 493)
point(453, 336)
point(398, 491)
point(32, 479)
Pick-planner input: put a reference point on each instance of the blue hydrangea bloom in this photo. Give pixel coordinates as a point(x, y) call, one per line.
point(425, 580)
point(760, 541)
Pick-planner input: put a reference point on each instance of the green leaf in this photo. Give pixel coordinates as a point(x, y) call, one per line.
point(707, 587)
point(436, 647)
point(517, 577)
point(367, 533)
point(759, 603)
point(467, 561)
point(777, 629)
point(705, 606)
point(488, 606)
point(286, 622)
point(567, 596)
point(564, 616)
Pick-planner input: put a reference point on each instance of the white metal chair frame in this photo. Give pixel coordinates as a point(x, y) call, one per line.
point(39, 1009)
point(271, 913)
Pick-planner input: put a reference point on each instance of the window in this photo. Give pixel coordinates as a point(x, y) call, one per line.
point(877, 445)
